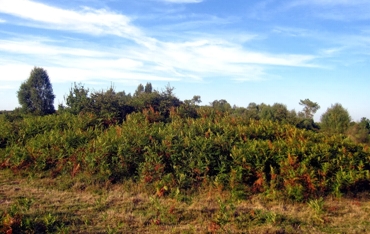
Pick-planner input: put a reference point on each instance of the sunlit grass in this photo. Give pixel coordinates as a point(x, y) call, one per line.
point(35, 205)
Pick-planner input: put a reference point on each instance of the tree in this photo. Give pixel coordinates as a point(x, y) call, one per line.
point(148, 88)
point(168, 100)
point(78, 99)
point(360, 132)
point(310, 108)
point(336, 119)
point(109, 104)
point(36, 95)
point(253, 111)
point(139, 90)
point(194, 101)
point(276, 112)
point(221, 105)
point(280, 111)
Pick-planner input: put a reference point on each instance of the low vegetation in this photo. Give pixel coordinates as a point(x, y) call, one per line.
point(59, 205)
point(167, 168)
point(115, 163)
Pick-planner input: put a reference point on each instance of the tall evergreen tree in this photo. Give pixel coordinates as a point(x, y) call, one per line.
point(139, 90)
point(36, 95)
point(148, 88)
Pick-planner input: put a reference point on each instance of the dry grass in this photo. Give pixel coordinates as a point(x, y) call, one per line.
point(128, 208)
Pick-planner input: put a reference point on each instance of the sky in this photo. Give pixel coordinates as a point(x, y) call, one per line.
point(243, 51)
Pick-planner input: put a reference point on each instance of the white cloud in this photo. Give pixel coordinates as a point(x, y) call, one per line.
point(2, 21)
point(293, 32)
point(195, 60)
point(100, 74)
point(331, 51)
point(14, 71)
point(24, 46)
point(85, 20)
point(149, 58)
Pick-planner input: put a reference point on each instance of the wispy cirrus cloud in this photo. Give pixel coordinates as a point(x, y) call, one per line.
point(168, 61)
point(84, 20)
point(329, 43)
point(340, 10)
point(44, 47)
point(144, 58)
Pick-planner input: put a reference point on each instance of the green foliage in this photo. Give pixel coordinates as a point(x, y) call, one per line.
point(277, 112)
point(194, 101)
point(109, 104)
point(336, 119)
point(243, 155)
point(77, 99)
point(221, 105)
point(360, 132)
point(139, 90)
point(310, 108)
point(15, 219)
point(148, 88)
point(157, 105)
point(36, 94)
point(307, 124)
point(177, 148)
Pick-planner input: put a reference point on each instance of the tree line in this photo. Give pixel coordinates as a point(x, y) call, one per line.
point(36, 97)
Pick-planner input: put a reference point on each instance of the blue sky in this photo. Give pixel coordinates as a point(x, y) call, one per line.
point(242, 51)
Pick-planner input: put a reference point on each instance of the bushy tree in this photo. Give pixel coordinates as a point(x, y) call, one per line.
point(276, 112)
point(77, 99)
point(221, 105)
point(109, 104)
point(336, 119)
point(194, 101)
point(253, 111)
point(36, 95)
point(360, 132)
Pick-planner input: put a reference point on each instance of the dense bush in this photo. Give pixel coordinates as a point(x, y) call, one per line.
point(232, 152)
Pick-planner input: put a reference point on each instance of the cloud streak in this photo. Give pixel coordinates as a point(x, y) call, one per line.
point(85, 20)
point(340, 10)
point(145, 58)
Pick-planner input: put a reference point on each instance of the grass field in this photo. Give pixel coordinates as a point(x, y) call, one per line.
point(45, 205)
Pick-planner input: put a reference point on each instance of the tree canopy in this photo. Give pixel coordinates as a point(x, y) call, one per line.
point(310, 108)
point(36, 95)
point(336, 119)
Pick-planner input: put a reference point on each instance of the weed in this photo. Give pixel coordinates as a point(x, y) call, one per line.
point(317, 205)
